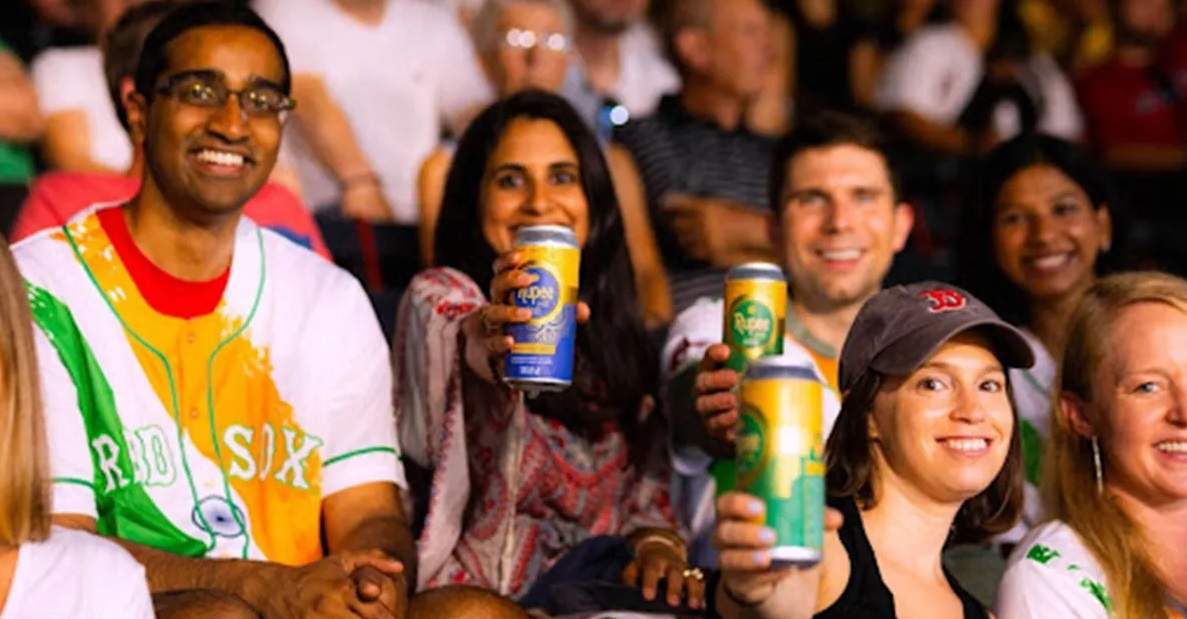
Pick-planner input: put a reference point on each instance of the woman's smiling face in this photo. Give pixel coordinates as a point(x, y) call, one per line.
point(1047, 233)
point(533, 178)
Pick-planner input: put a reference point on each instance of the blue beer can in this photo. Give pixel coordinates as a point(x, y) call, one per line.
point(542, 357)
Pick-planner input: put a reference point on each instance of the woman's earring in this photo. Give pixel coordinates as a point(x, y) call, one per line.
point(1100, 477)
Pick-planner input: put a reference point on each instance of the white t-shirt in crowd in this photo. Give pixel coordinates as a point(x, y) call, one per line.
point(75, 574)
point(399, 82)
point(937, 70)
point(71, 78)
point(644, 76)
point(1052, 574)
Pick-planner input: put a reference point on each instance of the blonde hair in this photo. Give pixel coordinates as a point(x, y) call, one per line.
point(1116, 541)
point(24, 483)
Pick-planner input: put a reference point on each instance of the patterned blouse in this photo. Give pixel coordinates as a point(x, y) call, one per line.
point(511, 491)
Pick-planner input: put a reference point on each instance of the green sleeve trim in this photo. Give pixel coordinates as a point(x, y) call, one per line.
point(1032, 452)
point(75, 481)
point(360, 452)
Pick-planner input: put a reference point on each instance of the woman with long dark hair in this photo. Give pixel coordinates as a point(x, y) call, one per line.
point(517, 482)
point(1035, 241)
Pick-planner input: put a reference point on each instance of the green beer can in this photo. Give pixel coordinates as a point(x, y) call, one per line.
point(780, 455)
point(755, 311)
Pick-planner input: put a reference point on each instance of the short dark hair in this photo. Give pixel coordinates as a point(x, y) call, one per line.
point(121, 46)
point(822, 130)
point(850, 467)
point(977, 262)
point(193, 15)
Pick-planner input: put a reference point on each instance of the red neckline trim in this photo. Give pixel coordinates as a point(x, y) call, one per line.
point(163, 292)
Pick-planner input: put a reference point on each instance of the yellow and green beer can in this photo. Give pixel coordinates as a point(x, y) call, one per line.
point(755, 312)
point(780, 454)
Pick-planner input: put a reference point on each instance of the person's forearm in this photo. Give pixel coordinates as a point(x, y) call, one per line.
point(728, 608)
point(249, 580)
point(749, 240)
point(20, 120)
point(325, 126)
point(389, 534)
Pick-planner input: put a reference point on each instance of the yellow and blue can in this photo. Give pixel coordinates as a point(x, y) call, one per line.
point(541, 359)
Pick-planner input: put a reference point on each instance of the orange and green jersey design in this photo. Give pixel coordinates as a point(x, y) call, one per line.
point(221, 433)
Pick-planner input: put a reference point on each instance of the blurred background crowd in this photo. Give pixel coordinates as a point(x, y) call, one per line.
point(686, 97)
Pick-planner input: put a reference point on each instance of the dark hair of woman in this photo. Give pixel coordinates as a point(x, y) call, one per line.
point(850, 466)
point(979, 272)
point(615, 364)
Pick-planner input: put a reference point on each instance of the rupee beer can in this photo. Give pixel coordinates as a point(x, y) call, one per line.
point(755, 311)
point(542, 357)
point(780, 455)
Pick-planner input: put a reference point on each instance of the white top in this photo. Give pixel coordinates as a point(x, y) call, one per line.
point(218, 435)
point(75, 574)
point(937, 70)
point(933, 74)
point(399, 82)
point(692, 332)
point(1031, 391)
point(1052, 574)
point(70, 79)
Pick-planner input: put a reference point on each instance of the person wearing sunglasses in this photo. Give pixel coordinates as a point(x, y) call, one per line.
point(198, 368)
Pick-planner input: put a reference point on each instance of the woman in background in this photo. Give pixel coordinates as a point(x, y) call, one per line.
point(1116, 480)
point(1045, 206)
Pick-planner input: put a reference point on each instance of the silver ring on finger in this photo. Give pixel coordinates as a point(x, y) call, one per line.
point(694, 573)
point(487, 326)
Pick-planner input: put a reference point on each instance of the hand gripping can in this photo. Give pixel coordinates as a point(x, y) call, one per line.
point(755, 310)
point(780, 455)
point(542, 357)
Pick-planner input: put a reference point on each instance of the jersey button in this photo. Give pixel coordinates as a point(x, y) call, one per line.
point(190, 337)
point(194, 413)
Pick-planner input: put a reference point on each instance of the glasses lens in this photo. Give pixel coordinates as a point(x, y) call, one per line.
point(556, 42)
point(262, 100)
point(201, 92)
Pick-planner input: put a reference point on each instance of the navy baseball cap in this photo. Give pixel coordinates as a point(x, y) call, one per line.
point(899, 328)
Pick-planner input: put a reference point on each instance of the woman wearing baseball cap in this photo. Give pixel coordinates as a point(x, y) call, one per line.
point(1116, 486)
point(924, 449)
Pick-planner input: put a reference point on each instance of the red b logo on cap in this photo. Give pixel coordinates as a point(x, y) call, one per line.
point(943, 300)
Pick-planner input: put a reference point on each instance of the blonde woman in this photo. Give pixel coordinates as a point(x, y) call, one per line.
point(1117, 478)
point(45, 571)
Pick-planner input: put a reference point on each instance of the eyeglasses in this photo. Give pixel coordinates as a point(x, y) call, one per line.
point(206, 90)
point(527, 39)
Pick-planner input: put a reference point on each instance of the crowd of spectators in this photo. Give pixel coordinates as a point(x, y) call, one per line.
point(256, 258)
